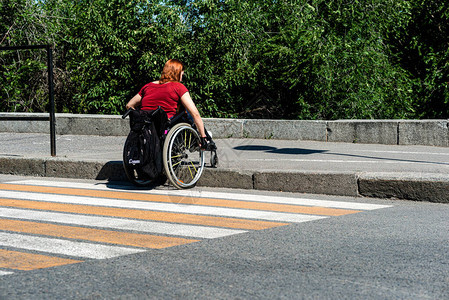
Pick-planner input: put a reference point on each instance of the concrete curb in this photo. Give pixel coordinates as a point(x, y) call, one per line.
point(417, 187)
point(411, 186)
point(390, 132)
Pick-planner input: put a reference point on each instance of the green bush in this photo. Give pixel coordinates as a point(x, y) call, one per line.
point(316, 59)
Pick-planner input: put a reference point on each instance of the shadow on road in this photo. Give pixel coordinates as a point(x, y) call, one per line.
point(270, 149)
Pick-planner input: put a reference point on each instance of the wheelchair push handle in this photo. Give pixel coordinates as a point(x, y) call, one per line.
point(127, 113)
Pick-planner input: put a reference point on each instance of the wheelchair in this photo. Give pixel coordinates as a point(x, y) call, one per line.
point(178, 145)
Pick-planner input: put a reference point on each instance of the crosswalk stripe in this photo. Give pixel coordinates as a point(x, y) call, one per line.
point(124, 212)
point(5, 273)
point(121, 208)
point(30, 261)
point(64, 247)
point(181, 200)
point(92, 221)
point(207, 194)
point(118, 223)
point(95, 235)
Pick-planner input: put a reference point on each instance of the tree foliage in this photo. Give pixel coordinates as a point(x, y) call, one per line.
point(295, 59)
point(22, 72)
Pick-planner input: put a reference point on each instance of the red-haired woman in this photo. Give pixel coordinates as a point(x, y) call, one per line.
point(170, 94)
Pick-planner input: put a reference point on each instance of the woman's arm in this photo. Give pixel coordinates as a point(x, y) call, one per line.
point(134, 102)
point(187, 101)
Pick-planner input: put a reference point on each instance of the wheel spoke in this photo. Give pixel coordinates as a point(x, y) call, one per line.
point(191, 170)
point(190, 139)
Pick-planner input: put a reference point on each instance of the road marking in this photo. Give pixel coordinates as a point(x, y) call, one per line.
point(208, 194)
point(380, 160)
point(120, 208)
point(404, 152)
point(30, 261)
point(118, 223)
point(5, 273)
point(95, 235)
point(64, 247)
point(124, 212)
point(97, 222)
point(166, 199)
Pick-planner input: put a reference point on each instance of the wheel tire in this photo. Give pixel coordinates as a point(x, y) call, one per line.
point(213, 159)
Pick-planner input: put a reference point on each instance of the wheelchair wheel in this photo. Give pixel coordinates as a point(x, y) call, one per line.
point(182, 158)
point(213, 159)
point(136, 176)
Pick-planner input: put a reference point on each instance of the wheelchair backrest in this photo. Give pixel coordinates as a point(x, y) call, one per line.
point(141, 118)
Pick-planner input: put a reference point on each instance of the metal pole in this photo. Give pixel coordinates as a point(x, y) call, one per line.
point(52, 101)
point(51, 118)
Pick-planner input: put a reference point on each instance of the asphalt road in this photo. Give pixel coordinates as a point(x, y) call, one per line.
point(398, 250)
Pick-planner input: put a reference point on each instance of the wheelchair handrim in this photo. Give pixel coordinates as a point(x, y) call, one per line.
point(198, 171)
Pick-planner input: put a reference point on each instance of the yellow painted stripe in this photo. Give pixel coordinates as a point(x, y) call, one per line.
point(323, 211)
point(142, 214)
point(96, 235)
point(29, 261)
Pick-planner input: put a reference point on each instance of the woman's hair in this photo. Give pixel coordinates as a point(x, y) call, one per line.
point(171, 71)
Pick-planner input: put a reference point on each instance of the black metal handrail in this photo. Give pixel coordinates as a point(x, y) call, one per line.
point(51, 116)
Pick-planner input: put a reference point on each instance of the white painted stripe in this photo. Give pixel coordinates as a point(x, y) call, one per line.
point(402, 152)
point(65, 247)
point(208, 194)
point(118, 223)
point(5, 273)
point(170, 207)
point(380, 160)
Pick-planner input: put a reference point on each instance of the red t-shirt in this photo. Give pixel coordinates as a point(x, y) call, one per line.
point(167, 96)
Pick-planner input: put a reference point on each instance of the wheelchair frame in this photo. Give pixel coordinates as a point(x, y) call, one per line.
point(182, 159)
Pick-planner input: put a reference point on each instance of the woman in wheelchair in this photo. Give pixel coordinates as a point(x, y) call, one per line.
point(182, 157)
point(170, 94)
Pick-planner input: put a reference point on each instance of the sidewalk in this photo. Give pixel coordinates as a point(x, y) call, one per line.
point(407, 172)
